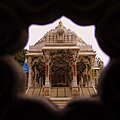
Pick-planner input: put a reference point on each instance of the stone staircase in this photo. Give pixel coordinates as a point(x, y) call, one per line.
point(60, 92)
point(60, 102)
point(60, 96)
point(87, 91)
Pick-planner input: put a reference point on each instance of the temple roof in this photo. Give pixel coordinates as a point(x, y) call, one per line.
point(60, 36)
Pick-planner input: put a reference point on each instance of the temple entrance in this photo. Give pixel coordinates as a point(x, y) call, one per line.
point(38, 74)
point(60, 74)
point(83, 75)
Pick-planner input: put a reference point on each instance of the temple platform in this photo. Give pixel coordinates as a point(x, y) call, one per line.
point(61, 95)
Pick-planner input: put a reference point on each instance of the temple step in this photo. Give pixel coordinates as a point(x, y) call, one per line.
point(30, 91)
point(60, 102)
point(87, 91)
point(60, 92)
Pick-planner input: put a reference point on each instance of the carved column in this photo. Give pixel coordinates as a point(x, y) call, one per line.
point(34, 62)
point(35, 80)
point(91, 70)
point(74, 67)
point(47, 81)
point(30, 71)
point(74, 82)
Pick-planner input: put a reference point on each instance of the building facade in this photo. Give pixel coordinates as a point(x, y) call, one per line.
point(61, 58)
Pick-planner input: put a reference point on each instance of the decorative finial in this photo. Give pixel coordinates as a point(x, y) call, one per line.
point(60, 23)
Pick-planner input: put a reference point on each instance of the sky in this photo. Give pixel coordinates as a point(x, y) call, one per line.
point(36, 32)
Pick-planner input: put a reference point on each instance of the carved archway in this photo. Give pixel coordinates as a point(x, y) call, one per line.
point(60, 73)
point(80, 69)
point(83, 69)
point(38, 68)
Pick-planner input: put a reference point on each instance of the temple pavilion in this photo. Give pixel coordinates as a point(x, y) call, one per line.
point(61, 60)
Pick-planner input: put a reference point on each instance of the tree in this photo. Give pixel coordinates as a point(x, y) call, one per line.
point(20, 57)
point(100, 63)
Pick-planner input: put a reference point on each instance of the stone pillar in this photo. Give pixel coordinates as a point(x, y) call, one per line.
point(97, 77)
point(35, 72)
point(47, 82)
point(96, 69)
point(30, 72)
point(74, 81)
point(47, 86)
point(92, 81)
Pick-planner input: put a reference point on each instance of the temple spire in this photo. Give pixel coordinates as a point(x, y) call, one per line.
point(60, 23)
